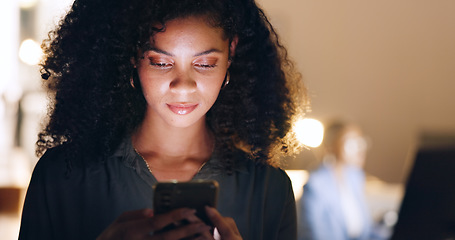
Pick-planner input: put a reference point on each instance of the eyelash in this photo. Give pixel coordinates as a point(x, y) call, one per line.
point(160, 65)
point(167, 65)
point(206, 65)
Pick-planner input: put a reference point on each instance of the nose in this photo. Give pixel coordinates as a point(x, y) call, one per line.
point(183, 83)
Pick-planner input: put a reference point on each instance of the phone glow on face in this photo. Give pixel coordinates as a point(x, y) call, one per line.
point(182, 73)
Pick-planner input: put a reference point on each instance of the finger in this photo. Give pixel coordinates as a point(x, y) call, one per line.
point(185, 231)
point(132, 229)
point(226, 226)
point(130, 225)
point(216, 218)
point(162, 220)
point(205, 236)
point(137, 214)
point(193, 219)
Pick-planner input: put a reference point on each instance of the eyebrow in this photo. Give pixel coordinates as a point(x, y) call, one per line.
point(208, 52)
point(196, 55)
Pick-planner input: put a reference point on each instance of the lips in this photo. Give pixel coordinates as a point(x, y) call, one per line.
point(182, 108)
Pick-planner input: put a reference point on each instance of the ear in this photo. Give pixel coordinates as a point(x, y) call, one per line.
point(133, 62)
point(233, 45)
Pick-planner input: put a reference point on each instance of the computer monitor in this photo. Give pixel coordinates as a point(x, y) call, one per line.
point(428, 207)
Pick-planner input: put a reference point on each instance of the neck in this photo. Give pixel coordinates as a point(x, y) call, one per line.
point(174, 153)
point(172, 141)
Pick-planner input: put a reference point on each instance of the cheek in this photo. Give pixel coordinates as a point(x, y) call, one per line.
point(212, 86)
point(149, 87)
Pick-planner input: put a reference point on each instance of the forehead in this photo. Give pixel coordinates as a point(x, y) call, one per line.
point(188, 30)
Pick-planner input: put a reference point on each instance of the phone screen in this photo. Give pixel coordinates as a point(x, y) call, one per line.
point(194, 194)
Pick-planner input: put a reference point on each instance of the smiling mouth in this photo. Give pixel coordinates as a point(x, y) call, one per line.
point(182, 108)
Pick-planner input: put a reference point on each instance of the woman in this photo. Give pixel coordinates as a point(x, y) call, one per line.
point(148, 91)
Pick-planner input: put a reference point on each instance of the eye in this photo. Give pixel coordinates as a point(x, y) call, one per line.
point(160, 64)
point(205, 63)
point(202, 65)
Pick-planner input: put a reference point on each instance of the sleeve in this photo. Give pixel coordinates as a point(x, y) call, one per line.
point(35, 222)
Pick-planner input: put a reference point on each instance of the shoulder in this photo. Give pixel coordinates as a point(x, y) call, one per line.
point(53, 160)
point(56, 163)
point(270, 183)
point(272, 176)
point(50, 172)
point(245, 167)
point(249, 172)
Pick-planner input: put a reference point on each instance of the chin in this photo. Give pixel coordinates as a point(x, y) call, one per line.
point(185, 121)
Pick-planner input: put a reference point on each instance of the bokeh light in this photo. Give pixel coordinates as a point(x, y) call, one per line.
point(30, 52)
point(309, 132)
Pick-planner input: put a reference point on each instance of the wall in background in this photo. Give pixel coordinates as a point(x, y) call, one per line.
point(388, 65)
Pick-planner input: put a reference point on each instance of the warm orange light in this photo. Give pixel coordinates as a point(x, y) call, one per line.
point(30, 52)
point(309, 132)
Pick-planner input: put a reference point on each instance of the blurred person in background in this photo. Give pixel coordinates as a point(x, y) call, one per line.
point(333, 204)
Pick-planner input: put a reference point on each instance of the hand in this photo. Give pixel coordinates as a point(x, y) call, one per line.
point(225, 225)
point(139, 224)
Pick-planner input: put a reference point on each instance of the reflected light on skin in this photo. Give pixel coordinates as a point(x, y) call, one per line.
point(309, 132)
point(30, 52)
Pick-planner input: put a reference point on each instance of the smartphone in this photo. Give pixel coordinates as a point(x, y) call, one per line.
point(194, 194)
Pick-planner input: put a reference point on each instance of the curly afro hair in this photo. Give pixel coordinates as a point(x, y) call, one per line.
point(88, 68)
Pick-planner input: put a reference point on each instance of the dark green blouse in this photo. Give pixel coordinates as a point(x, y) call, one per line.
point(81, 204)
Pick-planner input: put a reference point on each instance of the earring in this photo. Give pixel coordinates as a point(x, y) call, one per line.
point(132, 82)
point(132, 79)
point(226, 80)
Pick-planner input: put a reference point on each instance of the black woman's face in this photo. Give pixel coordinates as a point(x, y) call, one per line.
point(181, 75)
